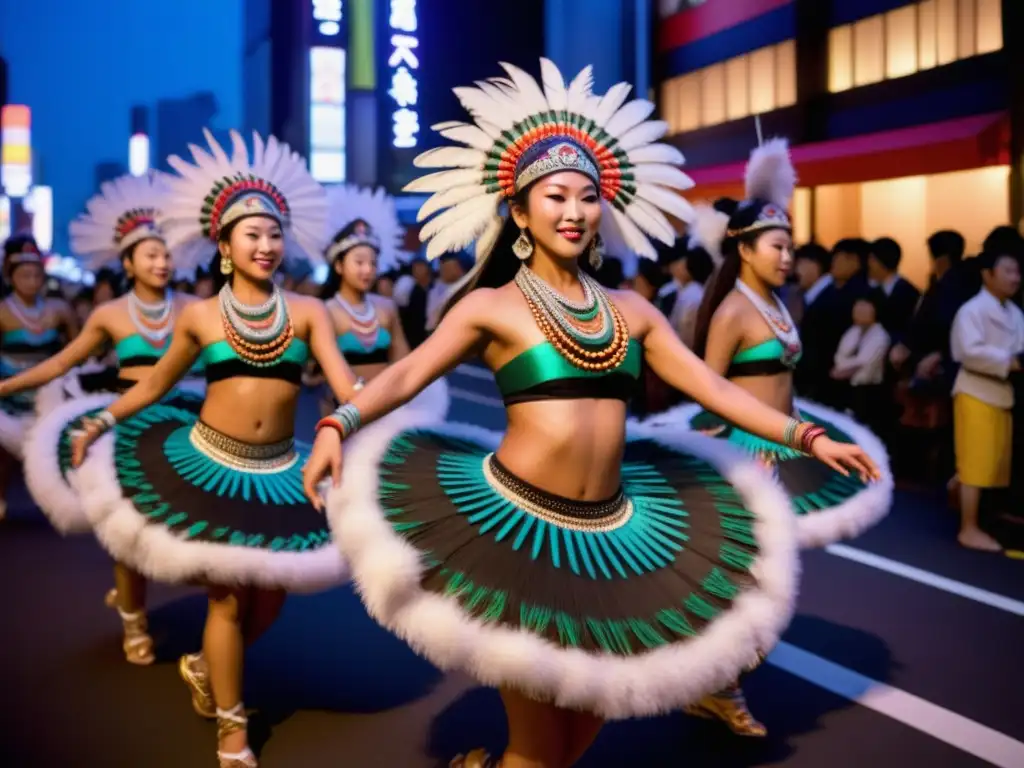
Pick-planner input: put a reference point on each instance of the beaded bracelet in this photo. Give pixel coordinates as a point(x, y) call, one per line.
point(106, 421)
point(812, 433)
point(345, 419)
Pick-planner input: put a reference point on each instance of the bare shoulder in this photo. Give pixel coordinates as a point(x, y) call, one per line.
point(195, 312)
point(383, 304)
point(482, 307)
point(184, 299)
point(733, 307)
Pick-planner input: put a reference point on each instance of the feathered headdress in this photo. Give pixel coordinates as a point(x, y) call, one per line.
point(769, 183)
point(124, 213)
point(525, 130)
point(218, 190)
point(360, 216)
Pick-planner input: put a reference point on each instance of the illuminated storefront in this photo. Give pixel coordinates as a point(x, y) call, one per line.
point(898, 113)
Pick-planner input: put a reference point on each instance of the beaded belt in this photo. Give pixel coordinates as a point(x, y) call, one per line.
point(566, 513)
point(235, 454)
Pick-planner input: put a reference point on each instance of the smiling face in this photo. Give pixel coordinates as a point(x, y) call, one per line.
point(562, 213)
point(770, 257)
point(149, 263)
point(256, 247)
point(358, 267)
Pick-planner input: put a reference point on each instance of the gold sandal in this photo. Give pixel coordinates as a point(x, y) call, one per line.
point(229, 721)
point(196, 675)
point(478, 758)
point(730, 707)
point(138, 645)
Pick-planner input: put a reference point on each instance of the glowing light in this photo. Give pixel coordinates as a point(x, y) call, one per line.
point(5, 217)
point(138, 154)
point(327, 114)
point(39, 203)
point(16, 149)
point(403, 62)
point(328, 13)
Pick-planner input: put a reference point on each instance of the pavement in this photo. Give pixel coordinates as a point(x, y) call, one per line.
point(905, 651)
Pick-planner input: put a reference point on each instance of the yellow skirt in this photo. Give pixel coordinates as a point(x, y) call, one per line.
point(983, 436)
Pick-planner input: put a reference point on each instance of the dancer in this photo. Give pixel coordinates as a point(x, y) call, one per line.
point(32, 328)
point(120, 226)
point(217, 499)
point(745, 333)
point(588, 575)
point(365, 236)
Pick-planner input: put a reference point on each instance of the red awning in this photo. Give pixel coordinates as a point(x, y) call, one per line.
point(951, 145)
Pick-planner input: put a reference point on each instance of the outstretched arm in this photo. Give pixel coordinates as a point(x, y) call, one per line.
point(461, 332)
point(85, 343)
point(679, 367)
point(339, 376)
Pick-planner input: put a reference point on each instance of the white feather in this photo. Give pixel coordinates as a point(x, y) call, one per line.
point(469, 135)
point(630, 116)
point(667, 200)
point(347, 203)
point(610, 102)
point(651, 220)
point(770, 174)
point(656, 153)
point(442, 180)
point(441, 200)
point(708, 227)
point(631, 234)
point(665, 175)
point(467, 209)
point(645, 133)
point(487, 240)
point(554, 85)
point(450, 157)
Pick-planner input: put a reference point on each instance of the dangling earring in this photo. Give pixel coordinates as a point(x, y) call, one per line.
point(226, 267)
point(522, 247)
point(596, 257)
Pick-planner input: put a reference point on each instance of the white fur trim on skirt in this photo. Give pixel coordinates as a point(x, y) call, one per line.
point(388, 570)
point(847, 519)
point(50, 490)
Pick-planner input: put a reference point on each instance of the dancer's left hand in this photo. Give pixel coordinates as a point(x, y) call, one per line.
point(845, 458)
point(324, 460)
point(82, 438)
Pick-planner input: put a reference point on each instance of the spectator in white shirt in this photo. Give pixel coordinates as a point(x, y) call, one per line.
point(860, 361)
point(988, 341)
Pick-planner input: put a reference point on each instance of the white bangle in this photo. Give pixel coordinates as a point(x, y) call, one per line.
point(106, 418)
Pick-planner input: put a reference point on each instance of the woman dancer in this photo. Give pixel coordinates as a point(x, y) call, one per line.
point(745, 333)
point(217, 499)
point(365, 236)
point(120, 226)
point(587, 575)
point(31, 329)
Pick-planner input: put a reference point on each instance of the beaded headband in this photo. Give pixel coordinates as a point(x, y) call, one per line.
point(232, 199)
point(524, 130)
point(769, 217)
point(23, 257)
point(123, 214)
point(136, 225)
point(223, 185)
point(367, 217)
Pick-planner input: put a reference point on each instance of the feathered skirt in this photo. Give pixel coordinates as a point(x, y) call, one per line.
point(829, 506)
point(625, 607)
point(178, 501)
point(82, 392)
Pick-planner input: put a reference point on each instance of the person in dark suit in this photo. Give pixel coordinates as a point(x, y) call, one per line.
point(827, 313)
point(897, 297)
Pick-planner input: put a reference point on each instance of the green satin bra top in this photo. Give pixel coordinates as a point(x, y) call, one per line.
point(541, 373)
point(764, 359)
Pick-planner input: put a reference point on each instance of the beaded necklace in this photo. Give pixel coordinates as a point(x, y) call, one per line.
point(590, 334)
point(153, 321)
point(363, 323)
point(779, 321)
point(31, 318)
point(258, 334)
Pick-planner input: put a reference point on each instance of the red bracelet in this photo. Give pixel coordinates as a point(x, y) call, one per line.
point(810, 434)
point(333, 423)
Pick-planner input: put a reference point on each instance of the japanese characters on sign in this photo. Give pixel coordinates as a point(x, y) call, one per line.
point(403, 66)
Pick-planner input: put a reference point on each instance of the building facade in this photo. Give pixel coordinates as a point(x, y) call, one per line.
point(905, 115)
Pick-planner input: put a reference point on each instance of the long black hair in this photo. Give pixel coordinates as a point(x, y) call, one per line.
point(722, 282)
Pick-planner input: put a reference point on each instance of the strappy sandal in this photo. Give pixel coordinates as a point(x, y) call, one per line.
point(730, 707)
point(138, 645)
point(478, 758)
point(196, 675)
point(229, 721)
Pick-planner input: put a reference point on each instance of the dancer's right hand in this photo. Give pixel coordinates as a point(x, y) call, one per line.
point(323, 460)
point(84, 437)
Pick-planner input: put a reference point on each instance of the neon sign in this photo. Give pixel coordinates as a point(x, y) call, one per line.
point(404, 64)
point(328, 13)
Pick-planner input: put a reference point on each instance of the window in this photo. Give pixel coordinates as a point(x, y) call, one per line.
point(756, 82)
point(912, 38)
